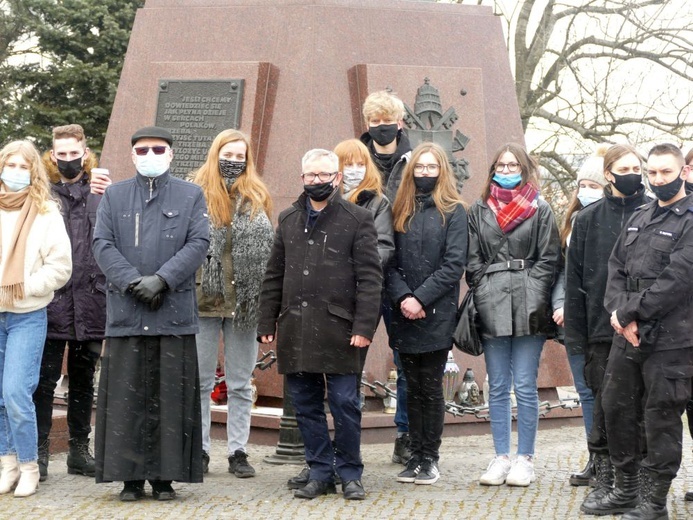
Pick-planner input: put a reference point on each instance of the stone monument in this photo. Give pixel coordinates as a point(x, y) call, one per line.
point(293, 74)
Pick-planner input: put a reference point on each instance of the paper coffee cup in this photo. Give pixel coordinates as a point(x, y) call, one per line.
point(100, 171)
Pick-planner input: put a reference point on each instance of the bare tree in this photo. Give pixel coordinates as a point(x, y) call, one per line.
point(591, 71)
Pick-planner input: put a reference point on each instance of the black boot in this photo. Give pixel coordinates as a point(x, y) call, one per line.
point(583, 478)
point(653, 499)
point(604, 480)
point(402, 452)
point(79, 459)
point(622, 498)
point(43, 455)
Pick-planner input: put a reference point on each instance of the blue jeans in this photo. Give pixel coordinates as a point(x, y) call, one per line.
point(240, 357)
point(21, 346)
point(307, 391)
point(513, 360)
point(577, 367)
point(401, 414)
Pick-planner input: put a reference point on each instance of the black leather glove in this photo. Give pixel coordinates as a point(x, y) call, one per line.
point(148, 288)
point(132, 284)
point(157, 302)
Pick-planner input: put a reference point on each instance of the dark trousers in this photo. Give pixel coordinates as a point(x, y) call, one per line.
point(596, 358)
point(425, 401)
point(655, 386)
point(81, 363)
point(307, 392)
point(689, 416)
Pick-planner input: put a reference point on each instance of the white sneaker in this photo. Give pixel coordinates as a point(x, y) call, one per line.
point(496, 472)
point(522, 472)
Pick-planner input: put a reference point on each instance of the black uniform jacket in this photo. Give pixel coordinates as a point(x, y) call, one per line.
point(322, 285)
point(514, 302)
point(595, 231)
point(650, 276)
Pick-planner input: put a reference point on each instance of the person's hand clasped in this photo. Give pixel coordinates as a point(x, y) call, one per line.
point(359, 341)
point(558, 317)
point(412, 309)
point(630, 332)
point(615, 324)
point(267, 338)
point(148, 288)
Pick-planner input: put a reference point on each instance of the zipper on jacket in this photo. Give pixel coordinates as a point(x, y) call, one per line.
point(151, 188)
point(137, 229)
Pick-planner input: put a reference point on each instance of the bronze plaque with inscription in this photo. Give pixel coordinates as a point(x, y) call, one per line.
point(195, 112)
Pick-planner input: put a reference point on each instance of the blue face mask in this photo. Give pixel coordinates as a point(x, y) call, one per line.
point(588, 196)
point(508, 181)
point(15, 180)
point(151, 165)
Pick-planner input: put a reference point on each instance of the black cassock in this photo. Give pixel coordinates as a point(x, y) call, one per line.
point(148, 414)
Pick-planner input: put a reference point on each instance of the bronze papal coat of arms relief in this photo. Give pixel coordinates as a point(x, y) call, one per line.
point(427, 122)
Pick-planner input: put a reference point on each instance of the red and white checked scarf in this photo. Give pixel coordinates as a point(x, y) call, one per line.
point(513, 207)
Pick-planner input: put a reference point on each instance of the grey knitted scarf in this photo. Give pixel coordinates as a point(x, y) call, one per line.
point(251, 243)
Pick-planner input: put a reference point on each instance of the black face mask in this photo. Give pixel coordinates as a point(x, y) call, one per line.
point(667, 191)
point(231, 169)
point(383, 134)
point(627, 184)
point(318, 192)
point(70, 169)
point(425, 185)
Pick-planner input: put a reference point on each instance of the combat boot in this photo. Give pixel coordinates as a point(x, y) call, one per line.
point(604, 480)
point(79, 459)
point(653, 499)
point(43, 456)
point(622, 498)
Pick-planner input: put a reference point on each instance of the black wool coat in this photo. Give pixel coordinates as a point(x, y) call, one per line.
point(323, 285)
point(428, 264)
point(514, 303)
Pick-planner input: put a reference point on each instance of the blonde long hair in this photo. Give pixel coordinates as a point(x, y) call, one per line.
point(445, 196)
point(249, 186)
point(39, 189)
point(354, 151)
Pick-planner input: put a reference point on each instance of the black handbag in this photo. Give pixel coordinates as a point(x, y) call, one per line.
point(466, 336)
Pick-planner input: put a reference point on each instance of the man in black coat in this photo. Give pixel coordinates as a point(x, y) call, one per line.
point(77, 314)
point(648, 375)
point(321, 296)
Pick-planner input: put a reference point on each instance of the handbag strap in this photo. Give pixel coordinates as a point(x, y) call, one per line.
point(489, 261)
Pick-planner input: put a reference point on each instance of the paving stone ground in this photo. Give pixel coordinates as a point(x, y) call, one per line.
point(456, 496)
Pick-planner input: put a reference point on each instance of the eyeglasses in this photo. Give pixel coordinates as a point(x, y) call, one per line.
point(322, 176)
point(513, 167)
point(144, 150)
point(430, 168)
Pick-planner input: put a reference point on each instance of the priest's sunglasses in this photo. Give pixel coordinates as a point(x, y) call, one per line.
point(144, 150)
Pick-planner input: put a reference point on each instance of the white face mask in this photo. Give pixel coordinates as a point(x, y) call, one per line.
point(15, 179)
point(352, 177)
point(151, 165)
point(587, 196)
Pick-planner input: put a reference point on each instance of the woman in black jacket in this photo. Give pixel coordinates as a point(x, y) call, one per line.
point(362, 184)
point(423, 281)
point(514, 231)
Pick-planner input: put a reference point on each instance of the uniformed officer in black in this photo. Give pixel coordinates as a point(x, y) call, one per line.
point(648, 376)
